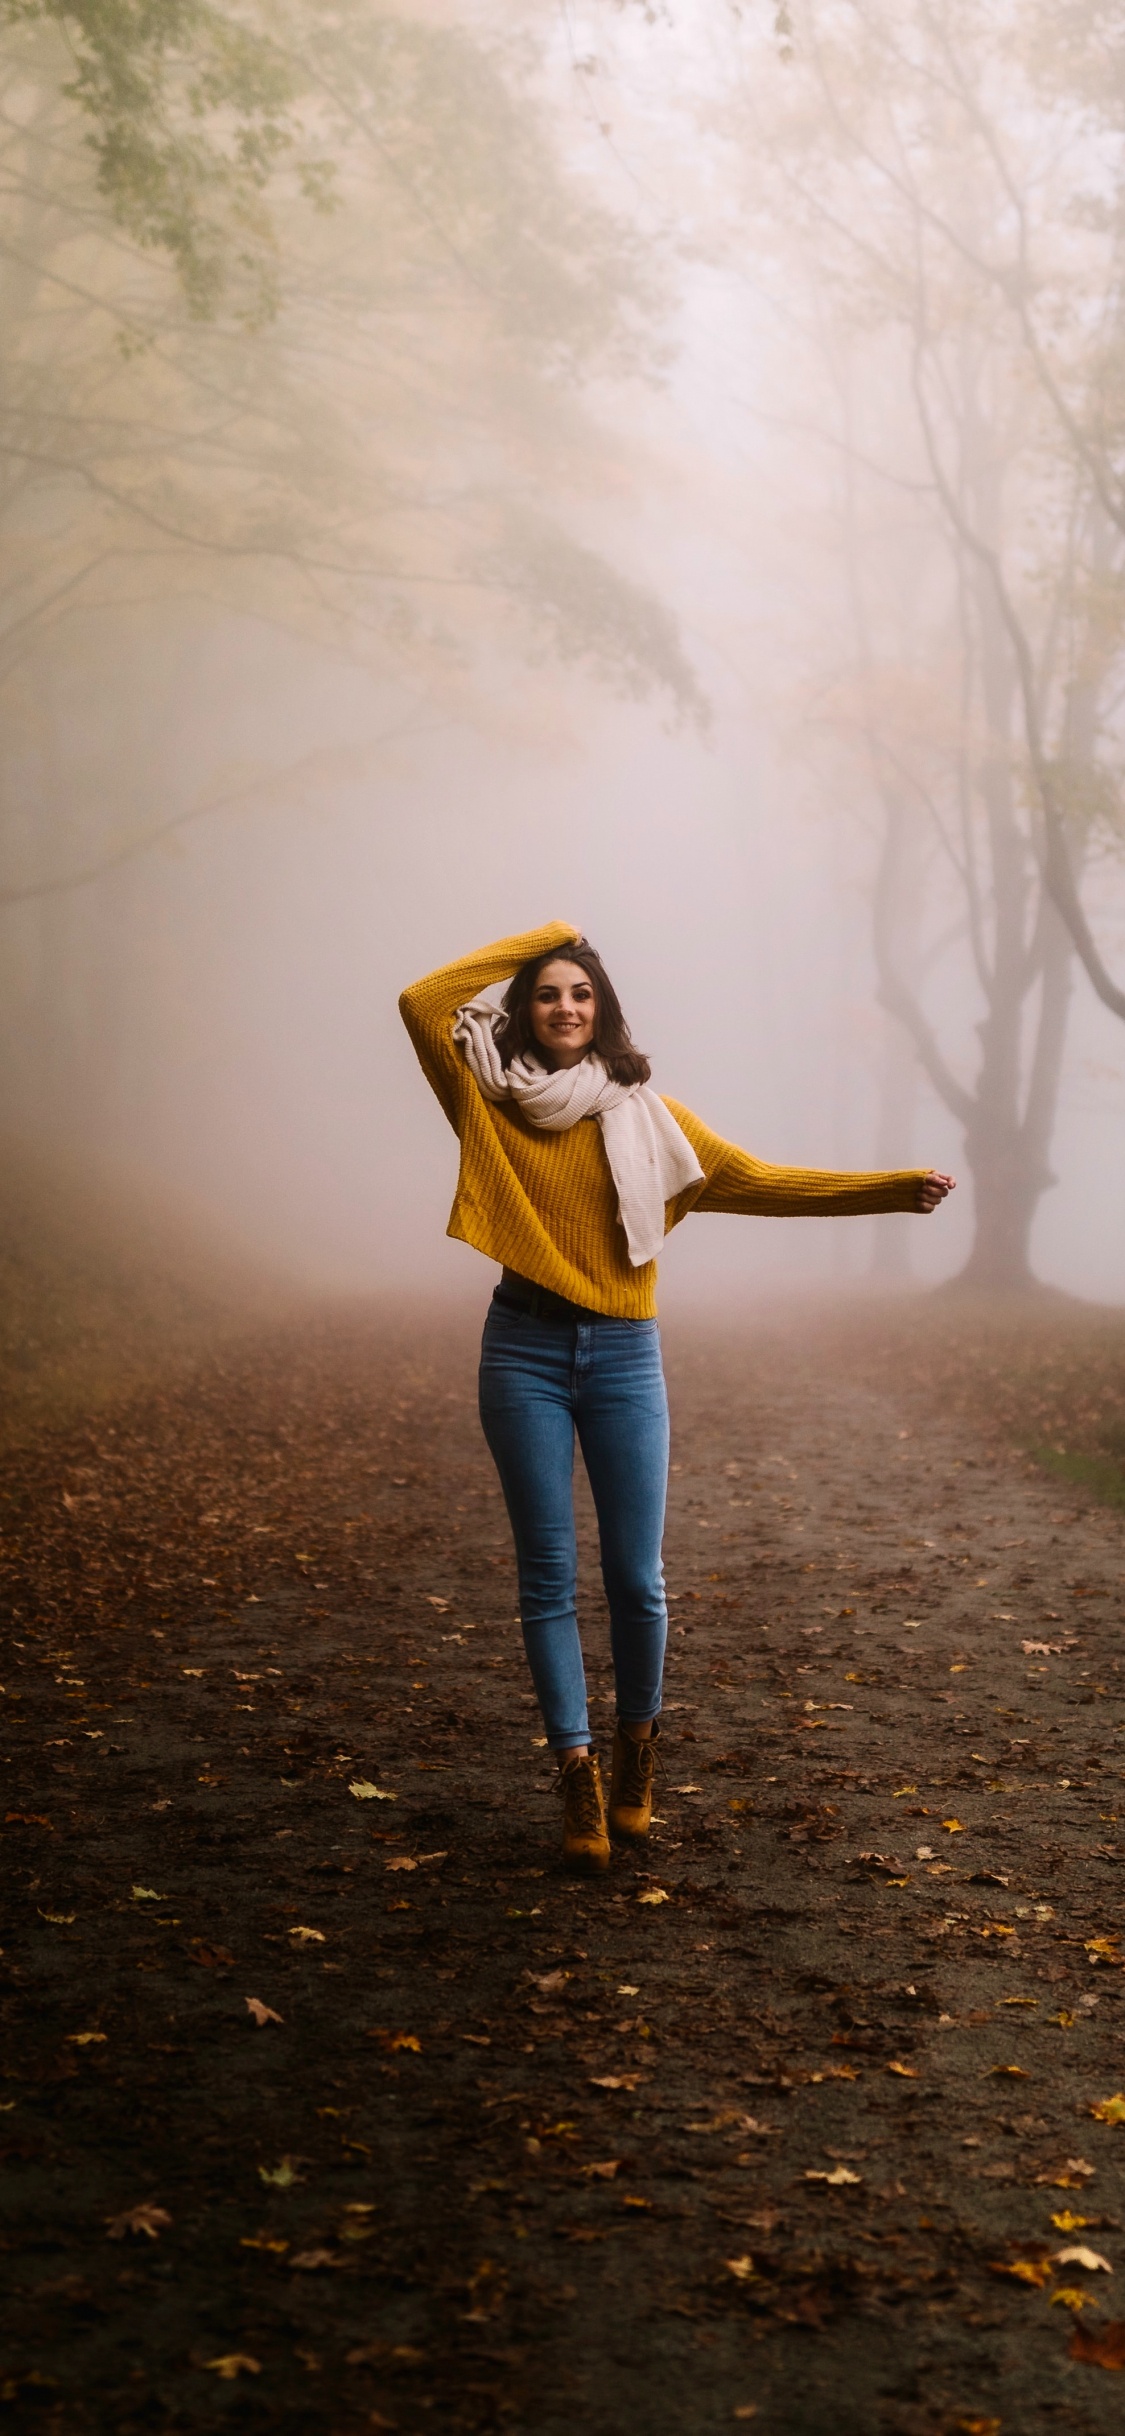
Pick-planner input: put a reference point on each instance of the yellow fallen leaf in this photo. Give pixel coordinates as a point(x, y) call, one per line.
point(280, 2177)
point(605, 2169)
point(742, 2268)
point(235, 2364)
point(85, 2038)
point(404, 2042)
point(264, 2241)
point(60, 1919)
point(308, 1936)
point(1105, 1947)
point(147, 1894)
point(903, 1790)
point(657, 1895)
point(837, 2178)
point(1110, 2110)
point(1067, 2222)
point(953, 1827)
point(906, 2072)
point(364, 1791)
point(1008, 2072)
point(1074, 2296)
point(403, 1862)
point(260, 2012)
point(1092, 2260)
point(1070, 2177)
point(614, 2080)
point(1037, 2271)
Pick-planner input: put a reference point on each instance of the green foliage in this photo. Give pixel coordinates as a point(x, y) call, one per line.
point(190, 113)
point(1104, 1475)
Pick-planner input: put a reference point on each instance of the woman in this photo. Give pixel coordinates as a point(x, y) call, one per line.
point(572, 1172)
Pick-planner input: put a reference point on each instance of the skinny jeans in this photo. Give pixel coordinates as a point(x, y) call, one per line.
point(541, 1382)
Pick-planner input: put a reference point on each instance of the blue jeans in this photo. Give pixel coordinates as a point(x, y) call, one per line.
point(540, 1381)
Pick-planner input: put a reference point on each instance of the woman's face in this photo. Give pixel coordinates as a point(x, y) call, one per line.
point(564, 1010)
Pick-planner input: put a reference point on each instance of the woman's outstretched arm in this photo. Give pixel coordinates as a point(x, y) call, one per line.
point(428, 1006)
point(752, 1187)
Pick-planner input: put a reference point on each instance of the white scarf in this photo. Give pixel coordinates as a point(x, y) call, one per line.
point(650, 1157)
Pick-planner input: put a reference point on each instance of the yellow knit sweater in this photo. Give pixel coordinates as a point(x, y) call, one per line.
point(545, 1205)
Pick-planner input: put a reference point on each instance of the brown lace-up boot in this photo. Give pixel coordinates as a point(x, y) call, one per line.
point(630, 1797)
point(585, 1836)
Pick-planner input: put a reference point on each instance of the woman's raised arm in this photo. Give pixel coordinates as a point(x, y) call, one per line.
point(428, 1006)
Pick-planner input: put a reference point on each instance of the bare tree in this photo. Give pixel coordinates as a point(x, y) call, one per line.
point(982, 596)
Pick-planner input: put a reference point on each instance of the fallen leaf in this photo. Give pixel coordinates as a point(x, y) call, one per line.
point(439, 1603)
point(1106, 1948)
point(1008, 2072)
point(147, 2219)
point(264, 2241)
point(549, 1983)
point(657, 1895)
point(1092, 2260)
point(281, 2177)
point(1037, 2271)
point(1070, 2177)
point(978, 2427)
point(741, 2268)
point(404, 2042)
point(838, 2177)
point(85, 2038)
point(614, 2080)
point(308, 1936)
point(1110, 2110)
point(403, 1862)
point(749, 2410)
point(306, 2261)
point(1067, 2222)
point(364, 1791)
point(235, 2364)
point(261, 2013)
point(954, 1827)
point(147, 1894)
point(906, 2072)
point(903, 1790)
point(1103, 2347)
point(59, 1919)
point(1041, 1649)
point(26, 1818)
point(605, 2170)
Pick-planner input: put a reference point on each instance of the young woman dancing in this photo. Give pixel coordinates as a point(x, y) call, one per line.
point(572, 1172)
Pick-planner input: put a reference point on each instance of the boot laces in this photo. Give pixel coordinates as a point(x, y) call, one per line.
point(579, 1787)
point(640, 1767)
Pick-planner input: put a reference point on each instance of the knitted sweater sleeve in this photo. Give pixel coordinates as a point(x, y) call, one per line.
point(428, 1006)
point(733, 1181)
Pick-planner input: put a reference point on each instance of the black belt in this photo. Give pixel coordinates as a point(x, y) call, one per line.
point(516, 1293)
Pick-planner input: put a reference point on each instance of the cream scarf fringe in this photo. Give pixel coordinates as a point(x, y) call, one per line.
point(650, 1157)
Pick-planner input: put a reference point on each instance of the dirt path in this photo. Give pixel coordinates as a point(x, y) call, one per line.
point(787, 2126)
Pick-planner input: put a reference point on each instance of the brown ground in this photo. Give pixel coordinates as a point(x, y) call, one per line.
point(797, 2144)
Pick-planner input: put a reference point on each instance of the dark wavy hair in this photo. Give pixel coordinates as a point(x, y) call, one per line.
point(612, 1040)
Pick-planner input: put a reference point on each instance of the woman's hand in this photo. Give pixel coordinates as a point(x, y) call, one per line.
point(933, 1189)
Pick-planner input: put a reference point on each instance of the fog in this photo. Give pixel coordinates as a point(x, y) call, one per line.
point(674, 634)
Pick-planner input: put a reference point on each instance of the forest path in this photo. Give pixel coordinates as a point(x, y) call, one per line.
point(784, 2122)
